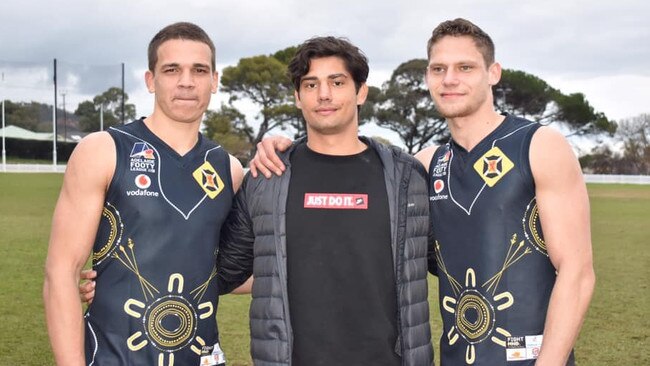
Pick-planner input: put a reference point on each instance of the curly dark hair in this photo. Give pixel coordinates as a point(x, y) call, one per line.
point(355, 61)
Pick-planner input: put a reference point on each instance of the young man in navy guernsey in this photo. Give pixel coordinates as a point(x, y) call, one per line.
point(510, 213)
point(511, 218)
point(147, 200)
point(339, 243)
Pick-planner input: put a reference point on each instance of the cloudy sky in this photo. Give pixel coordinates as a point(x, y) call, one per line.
point(598, 47)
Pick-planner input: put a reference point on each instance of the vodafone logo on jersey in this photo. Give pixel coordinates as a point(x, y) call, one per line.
point(438, 185)
point(143, 181)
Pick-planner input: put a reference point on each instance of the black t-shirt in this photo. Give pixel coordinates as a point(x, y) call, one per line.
point(341, 283)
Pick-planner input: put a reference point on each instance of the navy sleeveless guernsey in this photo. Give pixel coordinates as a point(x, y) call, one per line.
point(495, 274)
point(155, 252)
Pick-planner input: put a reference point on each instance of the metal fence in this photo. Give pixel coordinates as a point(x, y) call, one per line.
point(589, 178)
point(33, 168)
point(621, 179)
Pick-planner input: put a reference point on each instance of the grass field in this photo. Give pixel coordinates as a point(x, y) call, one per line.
point(616, 332)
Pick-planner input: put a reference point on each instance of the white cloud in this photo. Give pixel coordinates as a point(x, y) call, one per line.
point(598, 47)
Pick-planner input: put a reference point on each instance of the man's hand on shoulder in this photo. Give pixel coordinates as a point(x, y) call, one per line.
point(266, 160)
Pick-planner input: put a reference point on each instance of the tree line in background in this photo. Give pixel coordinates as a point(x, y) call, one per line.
point(37, 117)
point(634, 157)
point(401, 104)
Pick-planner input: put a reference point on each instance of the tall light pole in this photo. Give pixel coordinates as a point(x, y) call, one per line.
point(65, 119)
point(54, 158)
point(4, 149)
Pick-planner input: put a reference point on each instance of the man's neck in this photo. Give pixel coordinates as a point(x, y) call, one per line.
point(180, 136)
point(469, 131)
point(335, 144)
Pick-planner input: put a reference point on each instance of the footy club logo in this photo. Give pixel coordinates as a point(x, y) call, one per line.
point(493, 165)
point(336, 201)
point(438, 187)
point(143, 158)
point(440, 169)
point(209, 180)
point(143, 182)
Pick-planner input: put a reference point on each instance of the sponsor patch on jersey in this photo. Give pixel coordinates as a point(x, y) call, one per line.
point(143, 150)
point(523, 347)
point(212, 356)
point(493, 165)
point(209, 180)
point(142, 193)
point(142, 158)
point(143, 181)
point(336, 201)
point(438, 185)
point(440, 169)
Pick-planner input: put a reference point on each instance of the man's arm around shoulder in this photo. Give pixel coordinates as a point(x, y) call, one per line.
point(235, 256)
point(424, 156)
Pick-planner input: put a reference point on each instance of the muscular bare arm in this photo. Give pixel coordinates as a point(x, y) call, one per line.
point(425, 155)
point(74, 226)
point(564, 214)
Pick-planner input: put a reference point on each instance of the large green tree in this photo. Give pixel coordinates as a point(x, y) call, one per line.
point(262, 80)
point(634, 156)
point(227, 126)
point(110, 104)
point(528, 96)
point(33, 116)
point(404, 105)
point(635, 134)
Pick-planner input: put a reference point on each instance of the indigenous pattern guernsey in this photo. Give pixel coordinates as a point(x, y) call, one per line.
point(495, 274)
point(155, 251)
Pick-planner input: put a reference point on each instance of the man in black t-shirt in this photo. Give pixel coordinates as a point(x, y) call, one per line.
point(511, 216)
point(340, 241)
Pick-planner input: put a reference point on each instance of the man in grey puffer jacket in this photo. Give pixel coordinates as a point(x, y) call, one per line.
point(339, 245)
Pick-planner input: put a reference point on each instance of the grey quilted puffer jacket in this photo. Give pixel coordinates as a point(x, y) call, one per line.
point(253, 238)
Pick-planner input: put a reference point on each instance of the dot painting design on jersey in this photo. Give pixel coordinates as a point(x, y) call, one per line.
point(169, 320)
point(475, 308)
point(110, 240)
point(533, 227)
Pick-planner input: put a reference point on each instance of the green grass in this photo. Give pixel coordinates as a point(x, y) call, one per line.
point(616, 331)
point(26, 204)
point(617, 328)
